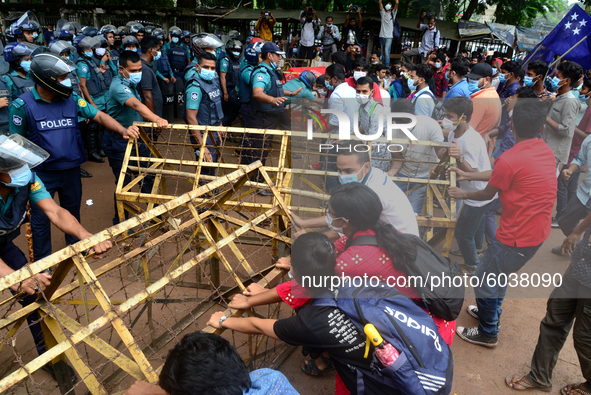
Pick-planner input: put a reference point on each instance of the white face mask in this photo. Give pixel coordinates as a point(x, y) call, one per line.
point(448, 125)
point(362, 99)
point(359, 74)
point(100, 51)
point(388, 7)
point(510, 114)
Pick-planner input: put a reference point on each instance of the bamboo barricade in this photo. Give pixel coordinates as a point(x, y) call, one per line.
point(113, 319)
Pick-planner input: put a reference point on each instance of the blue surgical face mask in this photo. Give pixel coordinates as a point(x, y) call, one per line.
point(237, 54)
point(134, 78)
point(174, 39)
point(437, 65)
point(295, 51)
point(328, 85)
point(69, 42)
point(528, 81)
point(88, 54)
point(577, 89)
point(273, 65)
point(583, 98)
point(26, 65)
point(411, 84)
point(132, 50)
point(158, 55)
point(207, 75)
point(494, 69)
point(19, 177)
point(35, 34)
point(554, 81)
point(348, 178)
point(502, 78)
point(67, 82)
point(446, 77)
point(473, 86)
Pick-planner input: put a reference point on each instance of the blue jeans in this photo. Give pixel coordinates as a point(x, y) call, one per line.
point(490, 223)
point(467, 232)
point(499, 258)
point(386, 46)
point(417, 197)
point(566, 190)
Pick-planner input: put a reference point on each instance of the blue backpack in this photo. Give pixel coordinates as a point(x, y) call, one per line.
point(425, 364)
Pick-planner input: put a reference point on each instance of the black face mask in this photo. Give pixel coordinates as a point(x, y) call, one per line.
point(309, 19)
point(117, 43)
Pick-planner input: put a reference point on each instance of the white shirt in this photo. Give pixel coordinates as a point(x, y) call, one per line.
point(423, 100)
point(308, 36)
point(396, 209)
point(343, 99)
point(387, 26)
point(473, 149)
point(430, 39)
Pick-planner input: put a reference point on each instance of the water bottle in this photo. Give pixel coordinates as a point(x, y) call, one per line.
point(385, 352)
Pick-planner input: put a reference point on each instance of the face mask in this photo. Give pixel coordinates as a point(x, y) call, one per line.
point(237, 54)
point(69, 42)
point(388, 7)
point(26, 65)
point(437, 65)
point(134, 78)
point(348, 178)
point(376, 62)
point(330, 225)
point(308, 19)
point(67, 82)
point(88, 54)
point(207, 75)
point(295, 51)
point(19, 177)
point(510, 113)
point(446, 77)
point(322, 92)
point(448, 125)
point(158, 55)
point(101, 51)
point(117, 42)
point(577, 89)
point(273, 65)
point(528, 81)
point(583, 98)
point(403, 74)
point(328, 85)
point(411, 84)
point(494, 70)
point(35, 35)
point(290, 275)
point(362, 99)
point(174, 39)
point(473, 86)
point(132, 49)
point(329, 24)
point(359, 74)
point(554, 81)
point(502, 78)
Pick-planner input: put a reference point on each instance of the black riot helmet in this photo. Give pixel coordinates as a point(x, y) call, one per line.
point(234, 49)
point(90, 31)
point(46, 68)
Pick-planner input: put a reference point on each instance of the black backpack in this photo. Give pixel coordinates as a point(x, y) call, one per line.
point(438, 111)
point(444, 297)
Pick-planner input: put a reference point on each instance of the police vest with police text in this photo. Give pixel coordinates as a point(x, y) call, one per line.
point(210, 109)
point(75, 83)
point(244, 88)
point(163, 64)
point(54, 127)
point(4, 92)
point(233, 74)
point(177, 57)
point(96, 84)
point(22, 84)
point(275, 91)
point(10, 228)
point(115, 57)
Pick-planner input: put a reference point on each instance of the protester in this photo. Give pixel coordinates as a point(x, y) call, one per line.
point(352, 29)
point(429, 40)
point(525, 179)
point(456, 75)
point(388, 15)
point(487, 104)
point(422, 97)
point(329, 36)
point(264, 26)
point(440, 81)
point(309, 21)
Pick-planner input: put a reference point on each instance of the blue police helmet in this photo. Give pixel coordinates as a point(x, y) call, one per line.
point(16, 51)
point(65, 35)
point(251, 54)
point(308, 78)
point(186, 33)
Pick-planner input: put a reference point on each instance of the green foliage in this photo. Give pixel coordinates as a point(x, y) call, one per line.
point(524, 12)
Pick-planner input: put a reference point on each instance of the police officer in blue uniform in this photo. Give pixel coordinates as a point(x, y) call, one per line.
point(166, 78)
point(203, 106)
point(179, 58)
point(48, 116)
point(201, 42)
point(19, 186)
point(252, 58)
point(25, 29)
point(228, 69)
point(186, 39)
point(123, 104)
point(18, 55)
point(5, 94)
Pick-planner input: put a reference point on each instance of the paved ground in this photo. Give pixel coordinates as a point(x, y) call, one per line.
point(477, 370)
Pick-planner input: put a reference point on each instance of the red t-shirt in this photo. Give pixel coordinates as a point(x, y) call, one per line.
point(377, 95)
point(585, 126)
point(441, 84)
point(526, 177)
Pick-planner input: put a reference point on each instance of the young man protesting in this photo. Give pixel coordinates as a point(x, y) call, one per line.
point(471, 156)
point(148, 88)
point(525, 179)
point(422, 97)
point(487, 104)
point(456, 77)
point(534, 78)
point(562, 119)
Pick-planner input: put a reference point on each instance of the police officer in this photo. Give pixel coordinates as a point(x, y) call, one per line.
point(267, 102)
point(5, 94)
point(148, 87)
point(203, 106)
point(252, 58)
point(202, 42)
point(123, 104)
point(186, 39)
point(94, 84)
point(307, 82)
point(179, 58)
point(19, 186)
point(18, 55)
point(166, 78)
point(108, 31)
point(25, 29)
point(137, 30)
point(229, 71)
point(130, 43)
point(48, 116)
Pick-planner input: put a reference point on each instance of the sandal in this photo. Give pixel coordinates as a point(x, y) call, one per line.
point(312, 369)
point(519, 383)
point(574, 389)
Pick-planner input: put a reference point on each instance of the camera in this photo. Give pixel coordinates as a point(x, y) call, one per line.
point(428, 14)
point(310, 8)
point(267, 13)
point(355, 8)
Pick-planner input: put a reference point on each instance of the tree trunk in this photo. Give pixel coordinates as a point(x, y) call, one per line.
point(470, 10)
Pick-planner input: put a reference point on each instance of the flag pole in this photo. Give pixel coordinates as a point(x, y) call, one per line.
point(566, 53)
point(530, 56)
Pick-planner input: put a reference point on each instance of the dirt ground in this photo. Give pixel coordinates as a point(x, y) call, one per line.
point(477, 370)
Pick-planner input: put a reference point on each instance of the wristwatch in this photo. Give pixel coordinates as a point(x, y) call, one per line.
point(224, 318)
point(461, 159)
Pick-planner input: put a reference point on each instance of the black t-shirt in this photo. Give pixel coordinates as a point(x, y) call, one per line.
point(356, 30)
point(325, 328)
point(149, 82)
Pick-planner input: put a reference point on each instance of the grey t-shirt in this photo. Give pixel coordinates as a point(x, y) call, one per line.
point(387, 27)
point(150, 83)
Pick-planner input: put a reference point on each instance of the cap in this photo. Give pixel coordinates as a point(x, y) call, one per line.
point(272, 48)
point(480, 70)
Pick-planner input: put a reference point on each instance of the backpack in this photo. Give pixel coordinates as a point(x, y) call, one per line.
point(443, 299)
point(438, 111)
point(396, 31)
point(425, 363)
